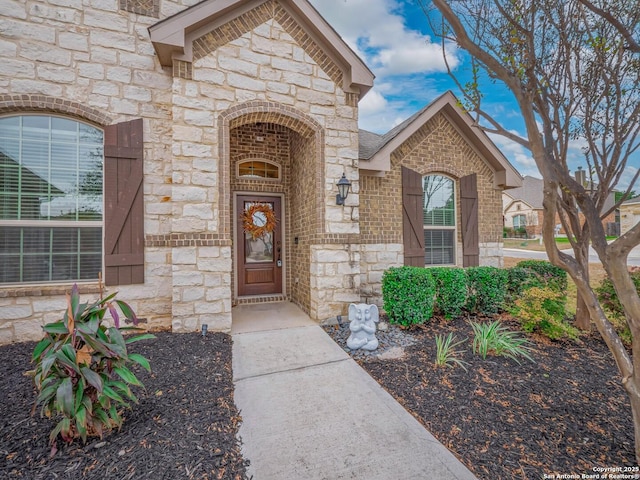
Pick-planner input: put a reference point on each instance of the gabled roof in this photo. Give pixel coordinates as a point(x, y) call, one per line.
point(632, 201)
point(531, 192)
point(173, 37)
point(376, 150)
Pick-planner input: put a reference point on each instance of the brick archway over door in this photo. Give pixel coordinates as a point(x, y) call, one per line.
point(270, 112)
point(302, 185)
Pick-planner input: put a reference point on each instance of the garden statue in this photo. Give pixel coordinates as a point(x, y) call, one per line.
point(363, 320)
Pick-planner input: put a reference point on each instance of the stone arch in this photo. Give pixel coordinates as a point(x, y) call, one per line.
point(42, 103)
point(258, 111)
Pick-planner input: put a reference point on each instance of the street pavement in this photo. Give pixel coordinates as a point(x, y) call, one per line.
point(632, 261)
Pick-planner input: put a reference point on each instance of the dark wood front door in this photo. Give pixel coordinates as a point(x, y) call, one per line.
point(259, 259)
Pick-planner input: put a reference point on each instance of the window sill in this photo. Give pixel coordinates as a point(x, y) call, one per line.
point(10, 291)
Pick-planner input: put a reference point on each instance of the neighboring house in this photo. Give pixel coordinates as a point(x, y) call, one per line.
point(629, 214)
point(218, 132)
point(522, 207)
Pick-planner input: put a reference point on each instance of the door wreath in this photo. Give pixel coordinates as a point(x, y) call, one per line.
point(258, 220)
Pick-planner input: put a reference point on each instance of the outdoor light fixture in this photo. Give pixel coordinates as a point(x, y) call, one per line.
point(343, 190)
point(204, 329)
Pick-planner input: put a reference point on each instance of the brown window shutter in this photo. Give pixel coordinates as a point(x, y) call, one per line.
point(123, 199)
point(412, 218)
point(469, 214)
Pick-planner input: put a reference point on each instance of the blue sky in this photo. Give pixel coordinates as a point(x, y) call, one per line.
point(393, 38)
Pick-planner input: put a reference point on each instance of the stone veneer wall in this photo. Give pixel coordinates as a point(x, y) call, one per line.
point(376, 258)
point(95, 64)
point(335, 279)
point(629, 216)
point(255, 71)
point(437, 147)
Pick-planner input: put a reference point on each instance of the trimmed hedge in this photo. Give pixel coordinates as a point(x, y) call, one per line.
point(450, 291)
point(550, 275)
point(412, 294)
point(408, 294)
point(487, 289)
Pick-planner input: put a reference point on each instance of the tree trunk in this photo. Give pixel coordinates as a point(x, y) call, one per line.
point(583, 316)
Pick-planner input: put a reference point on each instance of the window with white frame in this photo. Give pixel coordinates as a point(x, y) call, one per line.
point(519, 221)
point(50, 199)
point(439, 220)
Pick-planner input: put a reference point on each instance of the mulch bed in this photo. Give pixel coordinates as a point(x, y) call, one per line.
point(184, 426)
point(562, 415)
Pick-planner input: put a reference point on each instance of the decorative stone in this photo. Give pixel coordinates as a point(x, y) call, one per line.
point(363, 319)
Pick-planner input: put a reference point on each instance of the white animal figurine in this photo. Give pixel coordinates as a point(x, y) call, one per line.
point(363, 320)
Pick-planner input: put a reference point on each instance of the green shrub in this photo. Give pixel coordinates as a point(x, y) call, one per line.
point(487, 288)
point(499, 340)
point(518, 280)
point(408, 294)
point(551, 276)
point(83, 371)
point(613, 308)
point(451, 291)
point(543, 310)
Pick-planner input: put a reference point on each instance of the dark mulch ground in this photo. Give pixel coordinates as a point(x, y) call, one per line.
point(184, 426)
point(565, 414)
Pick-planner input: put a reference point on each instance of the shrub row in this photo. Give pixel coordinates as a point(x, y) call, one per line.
point(412, 295)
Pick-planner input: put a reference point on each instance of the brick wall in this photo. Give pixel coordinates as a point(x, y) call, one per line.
point(436, 148)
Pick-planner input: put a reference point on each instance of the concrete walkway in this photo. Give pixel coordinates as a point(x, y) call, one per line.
point(310, 412)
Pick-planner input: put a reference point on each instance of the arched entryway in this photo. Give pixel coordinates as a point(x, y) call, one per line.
point(272, 156)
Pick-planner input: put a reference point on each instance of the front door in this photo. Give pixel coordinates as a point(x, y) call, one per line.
point(259, 245)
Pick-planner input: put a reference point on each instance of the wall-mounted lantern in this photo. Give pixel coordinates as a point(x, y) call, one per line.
point(343, 190)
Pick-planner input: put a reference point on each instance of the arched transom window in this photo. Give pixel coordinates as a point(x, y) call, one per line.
point(258, 169)
point(439, 215)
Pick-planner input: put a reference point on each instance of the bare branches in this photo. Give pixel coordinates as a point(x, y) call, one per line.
point(571, 71)
point(626, 32)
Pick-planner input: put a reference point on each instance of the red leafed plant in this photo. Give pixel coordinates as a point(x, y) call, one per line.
point(83, 371)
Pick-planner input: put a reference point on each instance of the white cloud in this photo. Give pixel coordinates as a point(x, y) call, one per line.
point(627, 178)
point(377, 31)
point(384, 119)
point(417, 54)
point(519, 156)
point(373, 103)
point(400, 57)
